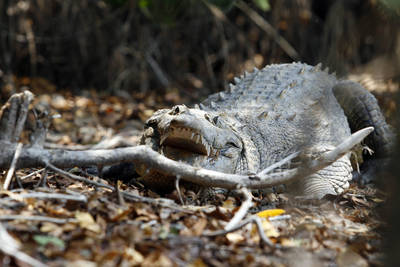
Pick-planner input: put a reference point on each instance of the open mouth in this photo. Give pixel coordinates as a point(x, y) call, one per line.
point(186, 139)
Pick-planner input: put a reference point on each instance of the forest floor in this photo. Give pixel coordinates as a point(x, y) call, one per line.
point(96, 227)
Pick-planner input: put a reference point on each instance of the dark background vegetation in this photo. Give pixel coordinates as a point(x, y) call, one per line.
point(193, 47)
point(144, 45)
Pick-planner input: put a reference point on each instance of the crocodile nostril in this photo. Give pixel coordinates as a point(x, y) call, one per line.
point(179, 109)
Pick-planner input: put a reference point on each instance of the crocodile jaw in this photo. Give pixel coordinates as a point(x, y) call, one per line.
point(187, 139)
point(195, 137)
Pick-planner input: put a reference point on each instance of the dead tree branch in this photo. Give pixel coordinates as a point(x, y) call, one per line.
point(10, 172)
point(36, 155)
point(9, 245)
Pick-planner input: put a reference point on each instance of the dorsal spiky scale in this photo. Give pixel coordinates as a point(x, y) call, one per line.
point(283, 84)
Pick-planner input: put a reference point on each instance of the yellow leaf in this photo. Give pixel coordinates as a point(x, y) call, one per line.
point(229, 203)
point(270, 213)
point(269, 229)
point(235, 237)
point(86, 221)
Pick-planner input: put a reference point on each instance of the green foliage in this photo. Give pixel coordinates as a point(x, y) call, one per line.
point(392, 5)
point(43, 240)
point(262, 4)
point(165, 12)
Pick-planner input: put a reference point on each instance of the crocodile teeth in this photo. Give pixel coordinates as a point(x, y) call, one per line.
point(205, 144)
point(197, 139)
point(208, 149)
point(237, 80)
point(163, 138)
point(192, 135)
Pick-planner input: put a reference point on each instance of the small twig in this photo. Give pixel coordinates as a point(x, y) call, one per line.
point(36, 218)
point(178, 190)
point(279, 163)
point(237, 221)
point(160, 201)
point(242, 212)
point(280, 217)
point(268, 29)
point(252, 219)
point(32, 174)
point(10, 172)
point(121, 200)
point(23, 113)
point(43, 179)
point(44, 195)
point(257, 220)
point(9, 246)
point(19, 182)
point(78, 178)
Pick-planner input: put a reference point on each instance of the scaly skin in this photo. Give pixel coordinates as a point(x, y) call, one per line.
point(267, 115)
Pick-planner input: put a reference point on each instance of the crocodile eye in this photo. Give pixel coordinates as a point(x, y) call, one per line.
point(215, 120)
point(207, 117)
point(232, 144)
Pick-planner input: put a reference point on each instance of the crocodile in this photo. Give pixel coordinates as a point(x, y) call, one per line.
point(265, 116)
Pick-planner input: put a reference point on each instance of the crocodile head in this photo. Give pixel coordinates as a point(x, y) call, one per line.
point(200, 138)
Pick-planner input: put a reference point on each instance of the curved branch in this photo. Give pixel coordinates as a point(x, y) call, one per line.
point(34, 157)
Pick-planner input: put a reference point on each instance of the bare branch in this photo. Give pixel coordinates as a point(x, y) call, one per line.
point(32, 174)
point(9, 246)
point(43, 195)
point(178, 189)
point(10, 172)
point(23, 113)
point(154, 201)
point(36, 218)
point(242, 212)
point(252, 219)
point(33, 157)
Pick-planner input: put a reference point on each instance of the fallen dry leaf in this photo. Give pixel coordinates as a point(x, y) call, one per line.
point(86, 221)
point(270, 213)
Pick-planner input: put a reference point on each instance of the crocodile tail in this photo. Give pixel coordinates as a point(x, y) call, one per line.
point(362, 110)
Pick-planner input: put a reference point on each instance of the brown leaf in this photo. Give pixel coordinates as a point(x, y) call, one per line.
point(86, 221)
point(349, 258)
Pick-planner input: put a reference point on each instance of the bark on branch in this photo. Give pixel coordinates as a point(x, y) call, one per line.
point(36, 156)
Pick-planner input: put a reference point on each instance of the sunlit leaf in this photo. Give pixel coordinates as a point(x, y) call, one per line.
point(235, 237)
point(269, 229)
point(86, 221)
point(270, 213)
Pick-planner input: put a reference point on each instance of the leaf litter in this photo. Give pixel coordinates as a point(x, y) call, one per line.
point(101, 230)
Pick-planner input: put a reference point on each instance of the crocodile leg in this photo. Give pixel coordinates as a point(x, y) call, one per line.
point(362, 110)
